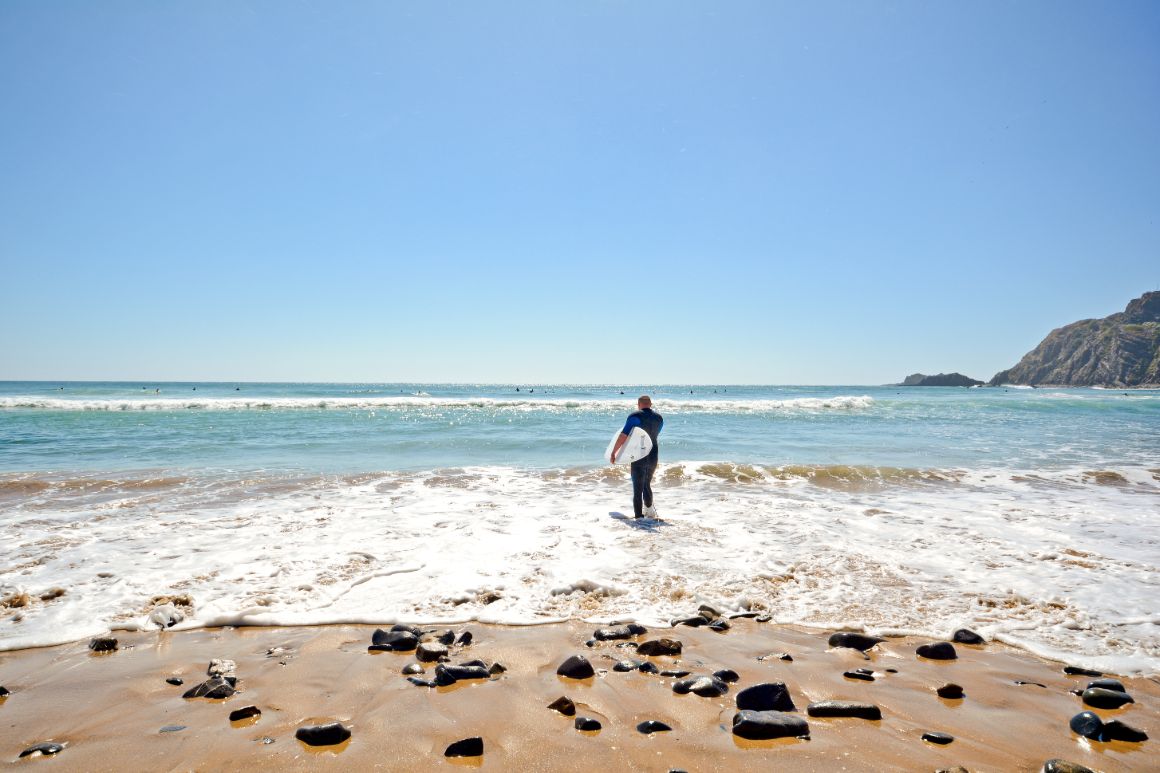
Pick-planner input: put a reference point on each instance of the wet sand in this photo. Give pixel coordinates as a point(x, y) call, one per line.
point(108, 709)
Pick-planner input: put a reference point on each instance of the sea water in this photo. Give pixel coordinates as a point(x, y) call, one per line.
point(1028, 515)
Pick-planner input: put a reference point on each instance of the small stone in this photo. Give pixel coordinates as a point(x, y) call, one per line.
point(648, 668)
point(942, 739)
point(429, 653)
point(763, 618)
point(1077, 671)
point(941, 650)
point(447, 638)
point(1108, 684)
point(1086, 724)
point(497, 669)
point(675, 673)
point(393, 641)
point(464, 639)
point(46, 749)
point(856, 641)
point(590, 643)
point(967, 636)
point(720, 625)
point(660, 647)
point(413, 668)
point(955, 769)
point(696, 621)
point(576, 667)
point(323, 735)
point(950, 691)
point(587, 723)
point(763, 725)
point(705, 686)
point(447, 674)
point(176, 681)
point(103, 644)
point(1115, 730)
point(476, 662)
point(1063, 766)
point(891, 670)
point(564, 705)
point(172, 728)
point(422, 682)
point(222, 668)
point(627, 665)
point(468, 747)
point(709, 612)
point(727, 675)
point(784, 656)
point(414, 631)
point(771, 696)
point(245, 713)
point(844, 709)
point(864, 674)
point(620, 632)
point(1106, 699)
point(652, 726)
point(216, 688)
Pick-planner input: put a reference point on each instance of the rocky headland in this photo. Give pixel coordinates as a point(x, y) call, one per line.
point(941, 379)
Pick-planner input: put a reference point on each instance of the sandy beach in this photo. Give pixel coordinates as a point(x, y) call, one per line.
point(116, 711)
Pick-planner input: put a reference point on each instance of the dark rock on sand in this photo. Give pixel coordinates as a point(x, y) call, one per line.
point(1115, 730)
point(587, 723)
point(856, 641)
point(864, 674)
point(967, 636)
point(422, 682)
point(176, 681)
point(245, 713)
point(720, 625)
point(464, 639)
point(620, 632)
point(939, 650)
point(564, 705)
point(1106, 699)
point(762, 725)
point(942, 739)
point(627, 665)
point(413, 668)
point(696, 621)
point(429, 653)
point(496, 669)
point(323, 735)
point(103, 644)
point(475, 662)
point(771, 696)
point(705, 686)
point(844, 709)
point(576, 667)
point(4, 692)
point(648, 668)
point(447, 638)
point(46, 748)
point(216, 688)
point(950, 691)
point(675, 673)
point(727, 675)
point(1063, 766)
point(468, 747)
point(447, 674)
point(1077, 671)
point(660, 647)
point(1086, 724)
point(399, 627)
point(710, 613)
point(1107, 684)
point(393, 641)
point(173, 728)
point(652, 726)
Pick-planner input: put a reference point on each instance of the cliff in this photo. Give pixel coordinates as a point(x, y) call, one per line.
point(1121, 350)
point(942, 379)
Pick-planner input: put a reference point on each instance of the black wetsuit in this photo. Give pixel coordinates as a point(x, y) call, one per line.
point(642, 469)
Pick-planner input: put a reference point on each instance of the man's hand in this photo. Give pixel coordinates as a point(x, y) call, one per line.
point(620, 441)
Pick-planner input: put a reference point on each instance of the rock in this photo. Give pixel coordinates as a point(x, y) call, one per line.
point(942, 739)
point(1115, 730)
point(627, 665)
point(770, 696)
point(855, 641)
point(652, 726)
point(245, 713)
point(660, 647)
point(675, 673)
point(215, 688)
point(464, 639)
point(1107, 684)
point(1063, 766)
point(576, 667)
point(955, 769)
point(468, 747)
point(176, 681)
point(564, 705)
point(727, 675)
point(393, 641)
point(429, 653)
point(720, 625)
point(950, 691)
point(323, 735)
point(1086, 724)
point(497, 669)
point(708, 612)
point(173, 728)
point(414, 631)
point(785, 656)
point(46, 749)
point(1105, 699)
point(447, 638)
point(447, 674)
point(587, 723)
point(696, 621)
point(940, 380)
point(413, 668)
point(864, 674)
point(763, 725)
point(222, 668)
point(1077, 671)
point(967, 636)
point(844, 709)
point(940, 650)
point(423, 682)
point(475, 662)
point(103, 644)
point(648, 668)
point(705, 686)
point(620, 632)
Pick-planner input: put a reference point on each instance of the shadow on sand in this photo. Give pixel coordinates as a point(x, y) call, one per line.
point(641, 524)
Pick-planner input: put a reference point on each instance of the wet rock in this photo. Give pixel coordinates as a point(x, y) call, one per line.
point(1105, 699)
point(329, 734)
point(705, 686)
point(743, 615)
point(648, 668)
point(176, 681)
point(4, 692)
point(727, 675)
point(429, 653)
point(1063, 766)
point(620, 632)
point(939, 650)
point(710, 613)
point(393, 641)
point(844, 709)
point(447, 638)
point(587, 723)
point(627, 665)
point(103, 644)
point(784, 656)
point(696, 621)
point(967, 636)
point(476, 662)
point(1077, 671)
point(770, 696)
point(675, 673)
point(1086, 724)
point(576, 667)
point(423, 682)
point(720, 625)
point(1033, 684)
point(1115, 730)
point(590, 643)
point(215, 688)
point(245, 713)
point(46, 749)
point(763, 618)
point(856, 641)
point(497, 669)
point(652, 726)
point(413, 668)
point(468, 747)
point(955, 769)
point(447, 674)
point(950, 691)
point(464, 639)
point(660, 647)
point(763, 725)
point(222, 668)
point(564, 705)
point(413, 630)
point(942, 739)
point(864, 674)
point(173, 728)
point(1107, 684)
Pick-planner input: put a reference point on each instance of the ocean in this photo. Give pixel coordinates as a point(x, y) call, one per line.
point(1027, 515)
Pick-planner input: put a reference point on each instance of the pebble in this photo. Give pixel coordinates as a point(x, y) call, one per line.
point(587, 723)
point(648, 668)
point(1106, 699)
point(856, 641)
point(447, 675)
point(770, 696)
point(421, 682)
point(176, 681)
point(967, 636)
point(940, 650)
point(844, 709)
point(727, 675)
point(1057, 765)
point(497, 669)
point(447, 638)
point(564, 705)
point(393, 641)
point(705, 686)
point(103, 644)
point(1108, 684)
point(865, 674)
point(1086, 724)
point(429, 653)
point(323, 735)
point(215, 688)
point(950, 691)
point(172, 728)
point(222, 668)
point(942, 739)
point(762, 725)
point(413, 668)
point(414, 631)
point(475, 662)
point(46, 749)
point(720, 625)
point(576, 667)
point(660, 647)
point(652, 726)
point(788, 658)
point(464, 639)
point(708, 612)
point(468, 747)
point(620, 632)
point(675, 673)
point(245, 713)
point(1077, 671)
point(627, 665)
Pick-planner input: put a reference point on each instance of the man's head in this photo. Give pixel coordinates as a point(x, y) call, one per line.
point(644, 401)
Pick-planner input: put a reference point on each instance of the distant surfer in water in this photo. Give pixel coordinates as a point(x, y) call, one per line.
point(642, 469)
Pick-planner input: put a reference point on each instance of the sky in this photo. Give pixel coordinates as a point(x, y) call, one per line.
point(586, 192)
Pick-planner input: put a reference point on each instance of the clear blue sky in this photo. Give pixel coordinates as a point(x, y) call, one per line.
point(770, 192)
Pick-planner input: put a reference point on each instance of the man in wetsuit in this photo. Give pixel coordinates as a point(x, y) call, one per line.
point(642, 469)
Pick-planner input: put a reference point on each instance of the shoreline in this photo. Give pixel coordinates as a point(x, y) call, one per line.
point(108, 710)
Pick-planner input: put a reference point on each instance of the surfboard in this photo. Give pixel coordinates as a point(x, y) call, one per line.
point(638, 446)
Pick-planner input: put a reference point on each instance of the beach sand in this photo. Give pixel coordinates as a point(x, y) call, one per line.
point(108, 709)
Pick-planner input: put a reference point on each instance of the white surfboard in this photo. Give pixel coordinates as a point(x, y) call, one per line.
point(638, 446)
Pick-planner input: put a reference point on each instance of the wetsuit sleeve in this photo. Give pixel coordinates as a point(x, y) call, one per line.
point(633, 421)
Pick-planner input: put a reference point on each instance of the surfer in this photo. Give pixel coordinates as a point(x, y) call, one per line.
point(642, 469)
